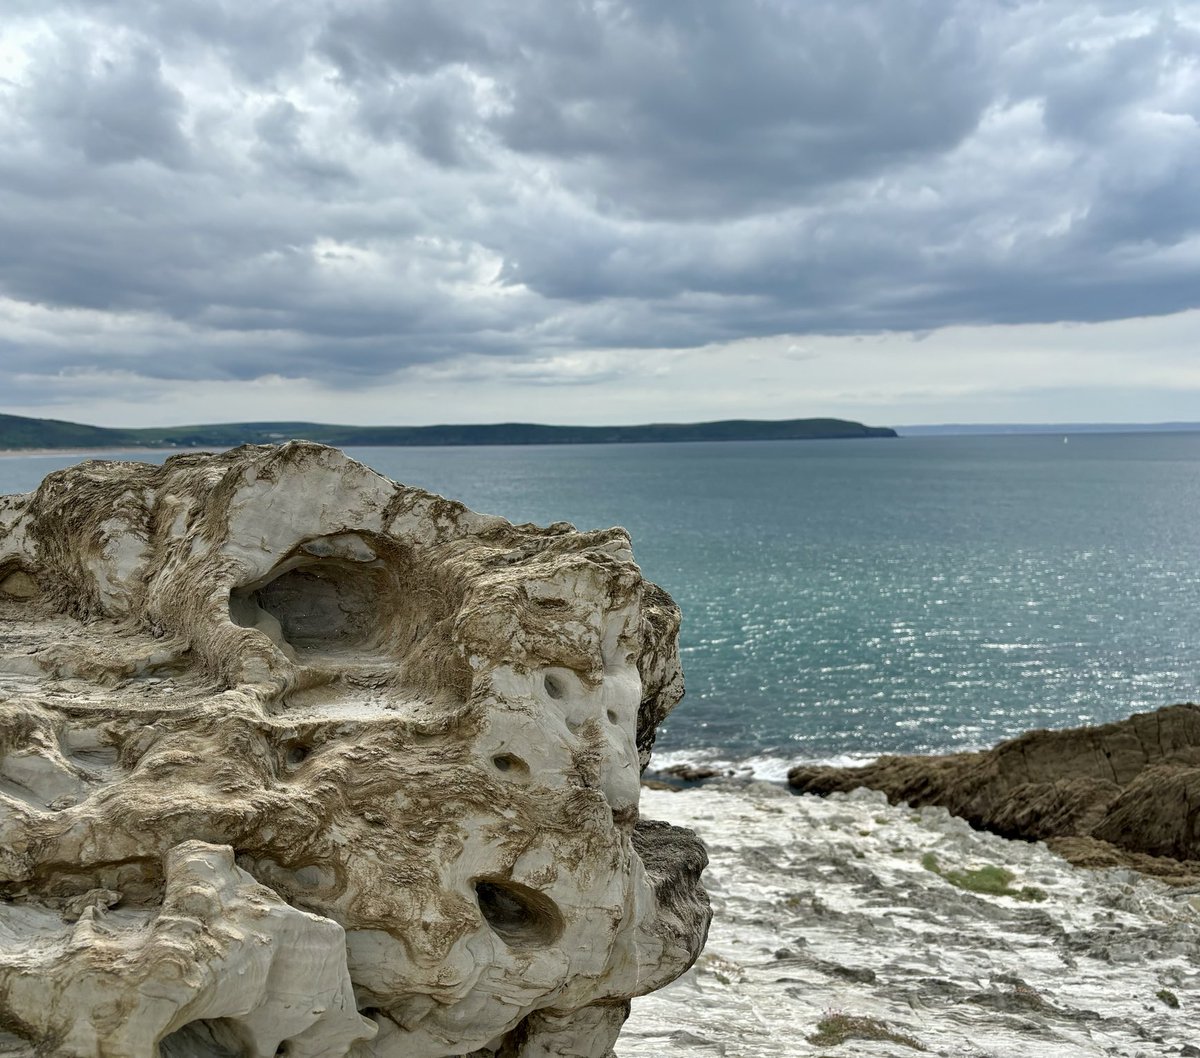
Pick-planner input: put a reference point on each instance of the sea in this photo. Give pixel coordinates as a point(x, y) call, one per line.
point(844, 599)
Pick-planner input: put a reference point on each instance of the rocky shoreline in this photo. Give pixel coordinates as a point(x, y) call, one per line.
point(1123, 794)
point(295, 759)
point(1039, 898)
point(833, 935)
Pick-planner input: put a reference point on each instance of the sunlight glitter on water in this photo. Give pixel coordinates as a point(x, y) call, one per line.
point(831, 589)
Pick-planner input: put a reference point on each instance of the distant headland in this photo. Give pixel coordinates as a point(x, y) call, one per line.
point(19, 432)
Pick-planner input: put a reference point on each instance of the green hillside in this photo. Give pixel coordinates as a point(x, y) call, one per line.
point(18, 432)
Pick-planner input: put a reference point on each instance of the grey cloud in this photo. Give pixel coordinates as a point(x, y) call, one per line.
point(111, 108)
point(340, 192)
point(722, 114)
point(258, 42)
point(373, 40)
point(279, 125)
point(284, 152)
point(436, 115)
point(699, 109)
point(1087, 89)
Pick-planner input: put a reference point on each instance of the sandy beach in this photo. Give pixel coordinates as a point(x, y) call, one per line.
point(825, 919)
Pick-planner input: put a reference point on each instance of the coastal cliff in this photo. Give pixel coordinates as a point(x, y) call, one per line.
point(297, 760)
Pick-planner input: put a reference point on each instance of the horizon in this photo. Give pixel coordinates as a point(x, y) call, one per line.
point(1016, 426)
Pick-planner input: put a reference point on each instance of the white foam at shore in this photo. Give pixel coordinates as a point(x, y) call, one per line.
point(823, 905)
point(762, 768)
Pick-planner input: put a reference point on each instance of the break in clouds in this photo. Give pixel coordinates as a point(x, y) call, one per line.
point(215, 189)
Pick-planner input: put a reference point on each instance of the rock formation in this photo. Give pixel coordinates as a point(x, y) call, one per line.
point(296, 760)
point(1126, 793)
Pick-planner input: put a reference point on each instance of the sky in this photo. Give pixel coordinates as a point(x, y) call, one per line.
point(597, 211)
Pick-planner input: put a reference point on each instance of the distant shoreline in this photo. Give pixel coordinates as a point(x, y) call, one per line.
point(1000, 429)
point(76, 450)
point(18, 433)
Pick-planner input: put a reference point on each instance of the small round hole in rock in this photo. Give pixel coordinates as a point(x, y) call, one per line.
point(554, 687)
point(518, 915)
point(509, 762)
point(298, 754)
point(612, 717)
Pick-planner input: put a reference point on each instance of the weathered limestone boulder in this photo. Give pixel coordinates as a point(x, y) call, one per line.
point(296, 760)
point(1126, 793)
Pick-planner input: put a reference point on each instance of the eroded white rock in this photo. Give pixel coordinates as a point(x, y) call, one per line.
point(223, 966)
point(408, 736)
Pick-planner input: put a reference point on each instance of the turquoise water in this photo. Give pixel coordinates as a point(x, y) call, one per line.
point(847, 598)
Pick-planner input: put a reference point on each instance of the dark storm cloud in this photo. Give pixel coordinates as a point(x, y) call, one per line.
point(691, 109)
point(339, 191)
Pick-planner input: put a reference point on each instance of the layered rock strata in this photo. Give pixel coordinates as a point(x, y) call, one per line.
point(296, 760)
point(1126, 793)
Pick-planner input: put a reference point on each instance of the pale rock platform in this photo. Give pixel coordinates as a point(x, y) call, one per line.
point(828, 922)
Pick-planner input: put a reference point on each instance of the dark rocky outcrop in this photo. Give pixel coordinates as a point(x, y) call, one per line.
point(694, 773)
point(1120, 794)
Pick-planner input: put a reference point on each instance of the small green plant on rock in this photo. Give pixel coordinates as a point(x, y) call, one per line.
point(1168, 997)
point(836, 1028)
point(990, 881)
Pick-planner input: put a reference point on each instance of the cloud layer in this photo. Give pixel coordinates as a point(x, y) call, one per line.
point(347, 192)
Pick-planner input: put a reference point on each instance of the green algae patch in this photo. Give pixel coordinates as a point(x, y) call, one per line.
point(989, 881)
point(837, 1028)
